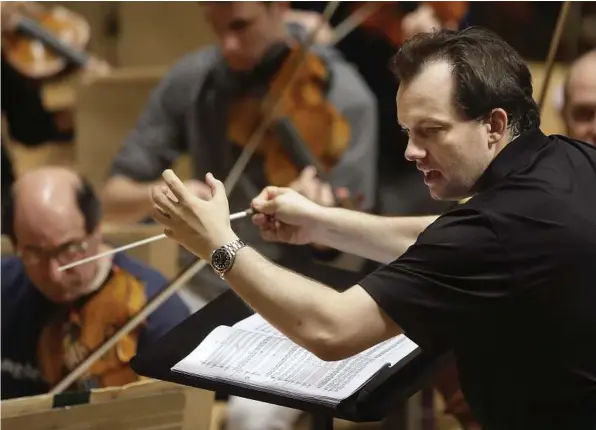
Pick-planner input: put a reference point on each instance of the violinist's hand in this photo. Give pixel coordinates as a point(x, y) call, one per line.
point(199, 225)
point(94, 69)
point(285, 215)
point(313, 188)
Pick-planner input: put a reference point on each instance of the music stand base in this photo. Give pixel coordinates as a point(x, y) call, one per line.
point(322, 422)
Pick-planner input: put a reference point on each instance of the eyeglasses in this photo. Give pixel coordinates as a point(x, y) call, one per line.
point(63, 254)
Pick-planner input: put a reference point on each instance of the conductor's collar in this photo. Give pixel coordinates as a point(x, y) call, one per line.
point(513, 157)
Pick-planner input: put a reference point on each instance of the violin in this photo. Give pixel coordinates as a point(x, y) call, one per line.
point(304, 117)
point(72, 335)
point(42, 42)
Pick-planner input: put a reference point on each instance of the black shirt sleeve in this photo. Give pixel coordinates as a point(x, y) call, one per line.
point(447, 283)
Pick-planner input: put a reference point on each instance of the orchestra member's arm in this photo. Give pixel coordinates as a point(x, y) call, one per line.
point(156, 142)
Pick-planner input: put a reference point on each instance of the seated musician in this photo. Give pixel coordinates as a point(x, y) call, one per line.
point(196, 108)
point(28, 120)
point(51, 320)
point(579, 106)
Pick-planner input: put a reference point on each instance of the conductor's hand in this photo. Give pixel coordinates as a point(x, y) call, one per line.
point(199, 225)
point(286, 216)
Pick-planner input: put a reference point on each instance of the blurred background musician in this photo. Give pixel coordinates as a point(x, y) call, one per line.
point(52, 320)
point(196, 108)
point(28, 63)
point(26, 118)
point(579, 98)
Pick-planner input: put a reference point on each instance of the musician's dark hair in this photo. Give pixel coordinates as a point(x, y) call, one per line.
point(87, 201)
point(488, 73)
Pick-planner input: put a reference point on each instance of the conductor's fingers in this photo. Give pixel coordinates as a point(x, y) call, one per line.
point(217, 187)
point(177, 187)
point(161, 218)
point(265, 201)
point(260, 219)
point(270, 192)
point(269, 235)
point(162, 201)
point(268, 223)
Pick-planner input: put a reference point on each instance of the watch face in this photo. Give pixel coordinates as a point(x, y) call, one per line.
point(221, 259)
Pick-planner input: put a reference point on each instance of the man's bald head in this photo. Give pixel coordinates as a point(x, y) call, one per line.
point(579, 112)
point(46, 194)
point(51, 196)
point(53, 218)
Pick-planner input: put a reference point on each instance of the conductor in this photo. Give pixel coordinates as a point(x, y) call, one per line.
point(506, 280)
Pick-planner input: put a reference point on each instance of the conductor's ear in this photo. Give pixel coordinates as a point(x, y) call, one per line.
point(497, 123)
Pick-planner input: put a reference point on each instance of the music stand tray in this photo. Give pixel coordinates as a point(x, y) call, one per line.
point(369, 404)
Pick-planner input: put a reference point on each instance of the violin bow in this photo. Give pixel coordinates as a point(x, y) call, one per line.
point(552, 51)
point(353, 21)
point(230, 183)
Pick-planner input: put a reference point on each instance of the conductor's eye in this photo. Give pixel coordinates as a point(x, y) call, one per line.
point(430, 131)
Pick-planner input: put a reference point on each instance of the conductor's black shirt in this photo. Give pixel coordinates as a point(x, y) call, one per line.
point(508, 282)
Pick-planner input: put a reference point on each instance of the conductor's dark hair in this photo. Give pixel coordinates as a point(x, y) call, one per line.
point(488, 73)
point(87, 201)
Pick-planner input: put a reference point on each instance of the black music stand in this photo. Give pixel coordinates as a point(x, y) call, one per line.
point(371, 403)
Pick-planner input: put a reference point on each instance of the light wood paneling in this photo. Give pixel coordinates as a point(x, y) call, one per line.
point(159, 33)
point(145, 405)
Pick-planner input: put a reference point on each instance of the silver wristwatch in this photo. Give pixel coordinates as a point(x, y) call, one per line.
point(223, 257)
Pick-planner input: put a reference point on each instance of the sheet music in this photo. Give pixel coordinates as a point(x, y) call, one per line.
point(276, 364)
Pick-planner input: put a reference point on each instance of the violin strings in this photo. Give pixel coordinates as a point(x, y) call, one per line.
point(233, 217)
